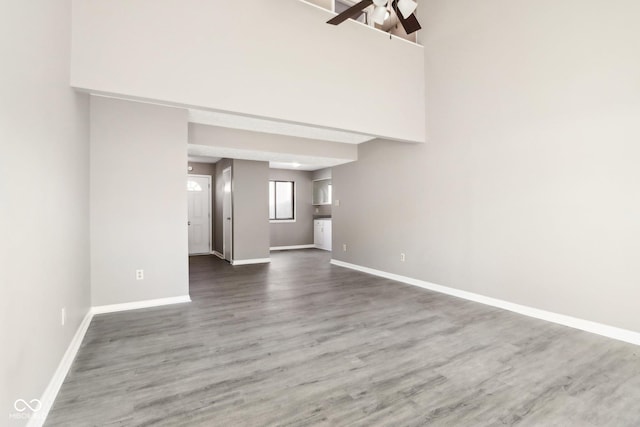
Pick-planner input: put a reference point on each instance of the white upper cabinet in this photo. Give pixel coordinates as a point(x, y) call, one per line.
point(322, 192)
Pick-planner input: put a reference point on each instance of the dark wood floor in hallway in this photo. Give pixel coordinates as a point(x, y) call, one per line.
point(300, 342)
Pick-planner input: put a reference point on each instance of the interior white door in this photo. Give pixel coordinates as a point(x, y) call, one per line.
point(199, 199)
point(227, 216)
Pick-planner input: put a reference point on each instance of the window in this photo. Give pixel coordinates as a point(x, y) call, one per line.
point(281, 201)
point(193, 186)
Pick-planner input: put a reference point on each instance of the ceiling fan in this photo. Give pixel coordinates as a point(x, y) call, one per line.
point(403, 8)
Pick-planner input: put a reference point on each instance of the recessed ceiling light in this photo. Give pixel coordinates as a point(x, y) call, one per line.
point(296, 164)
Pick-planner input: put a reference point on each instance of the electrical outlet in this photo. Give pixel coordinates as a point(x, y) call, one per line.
point(139, 274)
point(317, 210)
point(402, 257)
point(344, 247)
point(337, 202)
point(63, 316)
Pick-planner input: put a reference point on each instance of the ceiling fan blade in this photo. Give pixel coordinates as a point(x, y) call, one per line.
point(351, 12)
point(410, 24)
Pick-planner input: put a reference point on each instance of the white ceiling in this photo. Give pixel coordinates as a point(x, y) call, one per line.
point(209, 154)
point(203, 159)
point(236, 121)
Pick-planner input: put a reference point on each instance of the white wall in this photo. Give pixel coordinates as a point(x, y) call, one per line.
point(327, 4)
point(234, 141)
point(44, 198)
point(276, 59)
point(138, 201)
point(321, 174)
point(528, 188)
point(250, 188)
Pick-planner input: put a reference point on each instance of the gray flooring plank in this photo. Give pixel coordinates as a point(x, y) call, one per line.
point(300, 342)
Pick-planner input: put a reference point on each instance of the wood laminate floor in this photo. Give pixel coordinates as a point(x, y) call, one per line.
point(302, 343)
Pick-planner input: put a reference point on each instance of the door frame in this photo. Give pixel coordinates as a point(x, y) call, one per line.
point(227, 174)
point(210, 213)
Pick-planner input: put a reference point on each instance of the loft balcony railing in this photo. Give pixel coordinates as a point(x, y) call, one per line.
point(391, 25)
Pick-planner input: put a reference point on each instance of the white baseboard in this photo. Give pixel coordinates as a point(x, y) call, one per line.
point(51, 392)
point(572, 322)
point(288, 248)
point(101, 309)
point(218, 254)
point(250, 261)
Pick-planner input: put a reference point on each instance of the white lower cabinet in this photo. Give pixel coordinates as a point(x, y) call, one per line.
point(326, 235)
point(317, 233)
point(322, 234)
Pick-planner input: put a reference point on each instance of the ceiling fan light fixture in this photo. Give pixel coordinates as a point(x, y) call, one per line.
point(407, 7)
point(380, 13)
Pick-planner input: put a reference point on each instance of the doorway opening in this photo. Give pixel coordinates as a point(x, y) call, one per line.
point(199, 214)
point(227, 215)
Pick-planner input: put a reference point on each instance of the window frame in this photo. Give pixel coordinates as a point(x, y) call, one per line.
point(275, 204)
